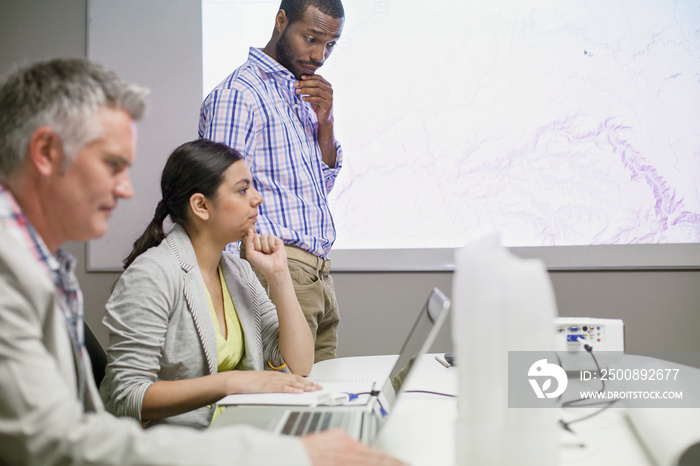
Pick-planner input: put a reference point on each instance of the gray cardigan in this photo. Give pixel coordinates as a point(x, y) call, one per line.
point(160, 326)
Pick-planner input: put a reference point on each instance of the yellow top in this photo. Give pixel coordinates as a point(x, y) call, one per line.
point(229, 350)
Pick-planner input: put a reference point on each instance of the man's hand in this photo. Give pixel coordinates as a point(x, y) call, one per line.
point(334, 447)
point(318, 92)
point(315, 90)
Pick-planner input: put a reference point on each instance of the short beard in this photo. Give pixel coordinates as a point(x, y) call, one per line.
point(284, 55)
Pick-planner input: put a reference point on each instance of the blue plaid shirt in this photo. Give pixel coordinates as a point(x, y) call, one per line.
point(60, 268)
point(256, 111)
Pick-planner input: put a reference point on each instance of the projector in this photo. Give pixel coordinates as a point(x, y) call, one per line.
point(606, 337)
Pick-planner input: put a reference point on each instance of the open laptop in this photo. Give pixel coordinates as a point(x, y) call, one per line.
point(360, 421)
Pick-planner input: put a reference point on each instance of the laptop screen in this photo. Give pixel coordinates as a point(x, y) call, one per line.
point(421, 336)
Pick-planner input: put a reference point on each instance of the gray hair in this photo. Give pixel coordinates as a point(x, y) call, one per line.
point(64, 94)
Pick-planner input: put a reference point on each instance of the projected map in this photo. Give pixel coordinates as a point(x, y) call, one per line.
point(553, 123)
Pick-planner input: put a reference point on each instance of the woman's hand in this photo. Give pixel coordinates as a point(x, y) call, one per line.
point(296, 344)
point(268, 382)
point(171, 397)
point(266, 253)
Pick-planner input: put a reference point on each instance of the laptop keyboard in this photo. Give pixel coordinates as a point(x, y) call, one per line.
point(305, 422)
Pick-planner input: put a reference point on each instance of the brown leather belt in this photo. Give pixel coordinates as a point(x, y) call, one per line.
point(305, 257)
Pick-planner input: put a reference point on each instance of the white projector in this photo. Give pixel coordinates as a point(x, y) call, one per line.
point(606, 338)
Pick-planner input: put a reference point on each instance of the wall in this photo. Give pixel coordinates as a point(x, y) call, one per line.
point(661, 309)
point(36, 29)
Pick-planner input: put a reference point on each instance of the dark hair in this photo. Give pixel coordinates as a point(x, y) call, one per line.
point(194, 167)
point(295, 9)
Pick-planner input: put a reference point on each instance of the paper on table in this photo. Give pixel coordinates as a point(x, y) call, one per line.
point(671, 435)
point(667, 433)
point(304, 399)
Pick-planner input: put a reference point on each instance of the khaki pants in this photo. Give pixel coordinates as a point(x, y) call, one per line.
point(316, 295)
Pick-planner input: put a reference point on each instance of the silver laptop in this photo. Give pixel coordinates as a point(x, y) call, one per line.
point(362, 421)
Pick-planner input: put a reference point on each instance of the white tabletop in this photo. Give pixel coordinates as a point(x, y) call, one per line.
point(421, 428)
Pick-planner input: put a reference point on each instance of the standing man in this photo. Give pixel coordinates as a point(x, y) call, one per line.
point(278, 113)
point(66, 144)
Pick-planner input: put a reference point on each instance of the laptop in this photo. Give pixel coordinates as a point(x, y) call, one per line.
point(361, 421)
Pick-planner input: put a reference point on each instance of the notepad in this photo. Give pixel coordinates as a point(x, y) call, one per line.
point(320, 397)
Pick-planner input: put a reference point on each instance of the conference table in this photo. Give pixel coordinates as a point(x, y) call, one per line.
point(421, 428)
point(422, 424)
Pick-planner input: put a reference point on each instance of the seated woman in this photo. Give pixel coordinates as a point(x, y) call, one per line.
point(189, 324)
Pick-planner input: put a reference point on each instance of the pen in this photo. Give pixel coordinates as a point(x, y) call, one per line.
point(442, 361)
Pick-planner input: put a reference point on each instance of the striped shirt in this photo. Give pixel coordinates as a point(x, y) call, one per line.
point(59, 267)
point(256, 111)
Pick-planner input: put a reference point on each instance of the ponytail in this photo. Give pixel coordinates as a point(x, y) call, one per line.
point(151, 237)
point(194, 167)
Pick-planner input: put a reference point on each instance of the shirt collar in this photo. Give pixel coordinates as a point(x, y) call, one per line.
point(268, 64)
point(18, 226)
